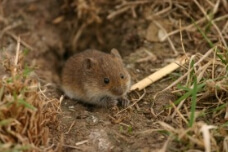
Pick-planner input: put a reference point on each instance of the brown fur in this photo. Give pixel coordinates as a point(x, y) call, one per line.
point(83, 77)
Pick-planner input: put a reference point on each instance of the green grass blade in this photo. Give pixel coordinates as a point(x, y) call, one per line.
point(225, 124)
point(209, 42)
point(26, 104)
point(187, 94)
point(193, 105)
point(209, 24)
point(1, 92)
point(183, 88)
point(5, 122)
point(26, 71)
point(220, 57)
point(203, 34)
point(220, 107)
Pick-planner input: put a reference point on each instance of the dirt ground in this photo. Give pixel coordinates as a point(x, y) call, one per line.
point(49, 29)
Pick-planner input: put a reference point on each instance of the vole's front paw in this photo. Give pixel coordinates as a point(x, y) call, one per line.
point(123, 101)
point(111, 103)
point(108, 102)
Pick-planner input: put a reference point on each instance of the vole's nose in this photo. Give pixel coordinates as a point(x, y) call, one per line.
point(118, 91)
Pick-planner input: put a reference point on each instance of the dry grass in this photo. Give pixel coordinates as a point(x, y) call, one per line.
point(25, 112)
point(198, 117)
point(202, 105)
point(201, 111)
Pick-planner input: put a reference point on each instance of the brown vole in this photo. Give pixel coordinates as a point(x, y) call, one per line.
point(96, 78)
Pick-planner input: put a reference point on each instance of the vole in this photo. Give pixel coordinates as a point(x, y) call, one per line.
point(96, 78)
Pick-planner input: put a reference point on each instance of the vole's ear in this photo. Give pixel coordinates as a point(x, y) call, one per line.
point(115, 53)
point(89, 63)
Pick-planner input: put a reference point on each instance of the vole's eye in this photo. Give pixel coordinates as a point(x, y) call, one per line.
point(106, 80)
point(122, 76)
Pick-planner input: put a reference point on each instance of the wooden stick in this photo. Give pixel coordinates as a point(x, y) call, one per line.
point(159, 74)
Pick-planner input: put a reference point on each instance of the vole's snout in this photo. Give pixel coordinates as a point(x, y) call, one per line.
point(118, 91)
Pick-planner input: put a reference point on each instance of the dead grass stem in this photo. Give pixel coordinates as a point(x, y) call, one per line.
point(24, 113)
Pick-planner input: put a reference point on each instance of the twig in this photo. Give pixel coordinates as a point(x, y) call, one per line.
point(81, 142)
point(9, 27)
point(206, 136)
point(133, 12)
point(133, 3)
point(22, 42)
point(74, 147)
point(159, 74)
point(165, 10)
point(225, 27)
point(118, 12)
point(192, 25)
point(226, 113)
point(126, 6)
point(181, 78)
point(225, 4)
point(213, 23)
point(121, 136)
point(182, 44)
point(148, 131)
point(17, 51)
point(49, 148)
point(17, 55)
point(150, 56)
point(184, 28)
point(140, 98)
point(189, 67)
point(78, 35)
point(169, 40)
point(72, 124)
point(178, 112)
point(164, 147)
point(167, 127)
